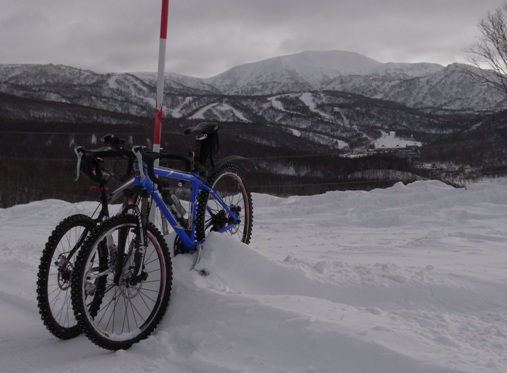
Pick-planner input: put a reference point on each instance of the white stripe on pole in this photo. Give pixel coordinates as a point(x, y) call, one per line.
point(159, 104)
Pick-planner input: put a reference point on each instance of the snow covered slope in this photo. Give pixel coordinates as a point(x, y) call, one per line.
point(302, 71)
point(123, 93)
point(449, 88)
point(407, 279)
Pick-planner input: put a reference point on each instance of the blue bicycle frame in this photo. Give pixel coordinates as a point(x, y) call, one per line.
point(186, 235)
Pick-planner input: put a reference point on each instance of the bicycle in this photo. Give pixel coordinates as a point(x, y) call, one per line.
point(58, 257)
point(122, 280)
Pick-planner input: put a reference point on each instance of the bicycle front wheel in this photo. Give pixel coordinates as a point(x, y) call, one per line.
point(54, 276)
point(116, 306)
point(229, 184)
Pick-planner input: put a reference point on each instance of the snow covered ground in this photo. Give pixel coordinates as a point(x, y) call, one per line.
point(410, 279)
point(389, 140)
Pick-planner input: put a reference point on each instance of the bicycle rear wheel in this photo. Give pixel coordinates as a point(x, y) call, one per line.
point(228, 182)
point(55, 271)
point(116, 310)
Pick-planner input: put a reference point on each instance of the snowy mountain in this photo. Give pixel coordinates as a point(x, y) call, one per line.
point(180, 83)
point(449, 88)
point(340, 100)
point(400, 71)
point(417, 85)
point(122, 93)
point(305, 71)
point(309, 71)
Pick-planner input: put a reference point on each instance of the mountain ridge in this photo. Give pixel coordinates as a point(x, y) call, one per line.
point(406, 83)
point(344, 100)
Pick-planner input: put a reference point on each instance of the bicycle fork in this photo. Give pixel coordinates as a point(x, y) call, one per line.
point(137, 248)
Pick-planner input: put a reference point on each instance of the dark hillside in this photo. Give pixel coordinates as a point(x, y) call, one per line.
point(37, 160)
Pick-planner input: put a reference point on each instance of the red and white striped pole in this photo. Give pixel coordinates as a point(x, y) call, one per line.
point(159, 104)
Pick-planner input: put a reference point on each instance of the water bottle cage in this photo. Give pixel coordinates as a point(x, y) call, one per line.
point(174, 204)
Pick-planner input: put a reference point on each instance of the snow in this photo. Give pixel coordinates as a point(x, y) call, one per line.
point(278, 105)
point(177, 112)
point(405, 279)
point(295, 132)
point(223, 111)
point(389, 140)
point(314, 68)
point(406, 70)
point(308, 99)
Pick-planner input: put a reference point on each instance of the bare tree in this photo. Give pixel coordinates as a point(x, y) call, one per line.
point(489, 54)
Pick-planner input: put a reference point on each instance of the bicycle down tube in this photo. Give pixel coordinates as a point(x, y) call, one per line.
point(187, 236)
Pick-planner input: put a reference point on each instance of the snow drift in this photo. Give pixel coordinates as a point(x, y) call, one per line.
point(407, 279)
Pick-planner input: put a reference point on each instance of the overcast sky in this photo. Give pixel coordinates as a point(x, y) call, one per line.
point(207, 37)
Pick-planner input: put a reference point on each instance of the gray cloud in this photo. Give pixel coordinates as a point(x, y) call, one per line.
point(208, 37)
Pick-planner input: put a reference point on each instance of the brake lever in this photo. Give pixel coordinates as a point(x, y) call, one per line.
point(79, 153)
point(137, 150)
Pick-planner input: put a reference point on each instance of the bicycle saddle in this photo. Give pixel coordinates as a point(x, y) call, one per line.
point(202, 128)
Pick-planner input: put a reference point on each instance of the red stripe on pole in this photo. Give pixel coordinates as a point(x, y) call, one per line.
point(163, 23)
point(157, 126)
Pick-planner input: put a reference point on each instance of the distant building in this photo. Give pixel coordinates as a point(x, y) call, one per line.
point(390, 144)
